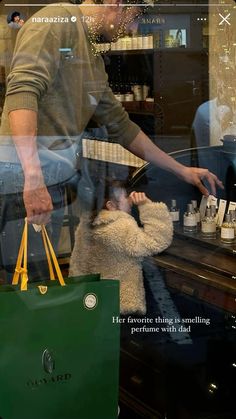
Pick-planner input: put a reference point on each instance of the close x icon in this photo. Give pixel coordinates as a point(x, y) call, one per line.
point(225, 19)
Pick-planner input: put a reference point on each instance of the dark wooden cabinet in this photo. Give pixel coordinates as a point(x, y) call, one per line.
point(165, 378)
point(178, 81)
point(135, 390)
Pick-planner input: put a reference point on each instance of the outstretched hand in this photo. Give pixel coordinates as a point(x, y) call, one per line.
point(195, 176)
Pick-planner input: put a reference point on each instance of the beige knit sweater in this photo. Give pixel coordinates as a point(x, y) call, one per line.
point(55, 73)
point(115, 246)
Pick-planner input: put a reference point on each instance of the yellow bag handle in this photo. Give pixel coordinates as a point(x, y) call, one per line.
point(21, 272)
point(51, 271)
point(52, 257)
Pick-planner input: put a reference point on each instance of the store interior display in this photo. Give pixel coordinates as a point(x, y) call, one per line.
point(207, 224)
point(198, 271)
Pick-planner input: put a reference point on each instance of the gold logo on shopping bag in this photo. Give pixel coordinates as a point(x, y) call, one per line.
point(43, 289)
point(48, 362)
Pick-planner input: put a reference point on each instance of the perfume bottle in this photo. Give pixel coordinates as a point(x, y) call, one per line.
point(227, 230)
point(213, 211)
point(208, 225)
point(197, 212)
point(214, 214)
point(233, 219)
point(174, 211)
point(190, 220)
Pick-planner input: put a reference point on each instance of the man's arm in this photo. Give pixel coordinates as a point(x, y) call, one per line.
point(34, 66)
point(120, 129)
point(38, 203)
point(143, 147)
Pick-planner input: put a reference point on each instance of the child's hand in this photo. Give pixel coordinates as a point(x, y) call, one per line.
point(139, 198)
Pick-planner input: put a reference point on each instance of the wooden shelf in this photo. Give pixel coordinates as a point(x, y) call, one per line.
point(148, 113)
point(139, 107)
point(130, 52)
point(152, 50)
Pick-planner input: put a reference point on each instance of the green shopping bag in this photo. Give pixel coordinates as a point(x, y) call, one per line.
point(59, 347)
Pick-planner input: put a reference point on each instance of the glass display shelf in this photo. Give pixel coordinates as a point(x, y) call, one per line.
point(211, 243)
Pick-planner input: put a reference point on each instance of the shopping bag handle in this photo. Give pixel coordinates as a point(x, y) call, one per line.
point(51, 257)
point(21, 271)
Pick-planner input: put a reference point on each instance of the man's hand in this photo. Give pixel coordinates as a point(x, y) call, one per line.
point(38, 205)
point(143, 147)
point(195, 176)
point(139, 198)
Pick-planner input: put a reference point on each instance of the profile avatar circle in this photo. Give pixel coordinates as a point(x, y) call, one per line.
point(15, 20)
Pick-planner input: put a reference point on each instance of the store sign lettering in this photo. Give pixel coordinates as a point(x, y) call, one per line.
point(153, 20)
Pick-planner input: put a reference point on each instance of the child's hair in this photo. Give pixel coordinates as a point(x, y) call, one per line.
point(106, 189)
point(98, 184)
point(14, 14)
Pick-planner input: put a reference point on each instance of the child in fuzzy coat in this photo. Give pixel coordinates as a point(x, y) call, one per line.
point(111, 242)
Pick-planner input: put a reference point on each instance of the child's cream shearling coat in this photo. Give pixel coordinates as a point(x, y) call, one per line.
point(115, 245)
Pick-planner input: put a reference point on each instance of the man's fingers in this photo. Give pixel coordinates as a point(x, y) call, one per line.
point(201, 187)
point(29, 213)
point(213, 181)
point(38, 204)
point(219, 183)
point(196, 175)
point(39, 219)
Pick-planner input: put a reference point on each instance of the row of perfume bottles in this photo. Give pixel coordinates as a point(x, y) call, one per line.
point(144, 41)
point(130, 89)
point(129, 42)
point(192, 221)
point(129, 83)
point(136, 93)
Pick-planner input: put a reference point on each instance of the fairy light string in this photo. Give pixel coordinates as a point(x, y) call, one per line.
point(125, 17)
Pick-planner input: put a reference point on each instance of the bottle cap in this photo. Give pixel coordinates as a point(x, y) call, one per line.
point(194, 203)
point(173, 202)
point(227, 218)
point(190, 208)
point(213, 210)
